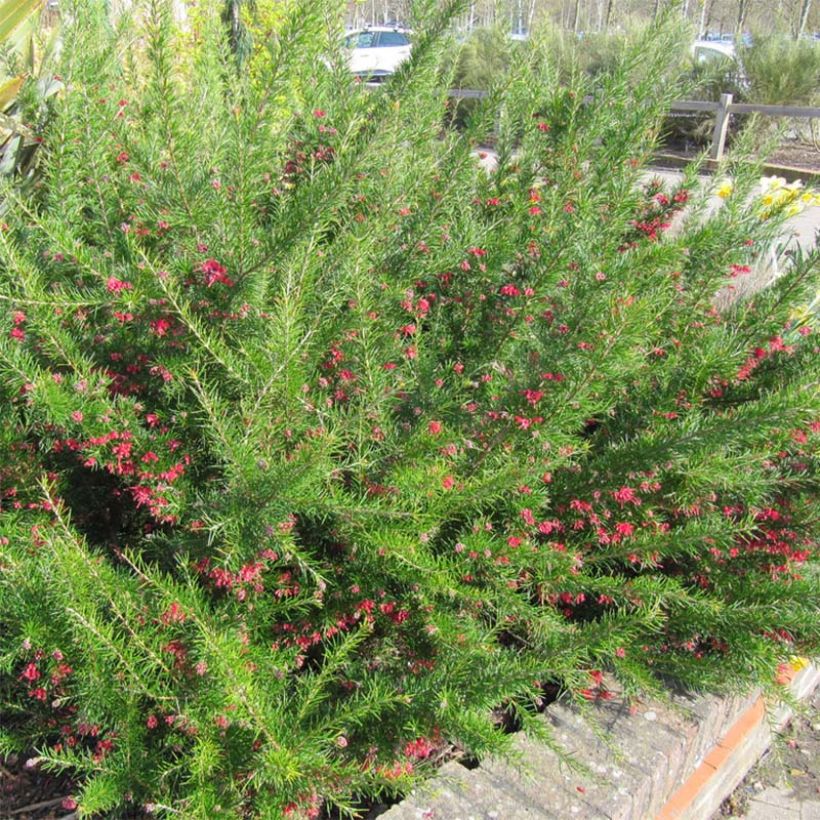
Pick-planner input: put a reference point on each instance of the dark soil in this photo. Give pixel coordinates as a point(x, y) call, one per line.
point(28, 793)
point(797, 155)
point(790, 153)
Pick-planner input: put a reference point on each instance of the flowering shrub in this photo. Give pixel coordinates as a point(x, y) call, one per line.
point(321, 444)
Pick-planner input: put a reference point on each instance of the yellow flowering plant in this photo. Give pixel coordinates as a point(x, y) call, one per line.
point(790, 198)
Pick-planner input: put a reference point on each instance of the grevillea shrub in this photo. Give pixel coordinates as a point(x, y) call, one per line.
point(323, 447)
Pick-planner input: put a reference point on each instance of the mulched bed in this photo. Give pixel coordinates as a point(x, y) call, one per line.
point(797, 155)
point(791, 153)
point(28, 793)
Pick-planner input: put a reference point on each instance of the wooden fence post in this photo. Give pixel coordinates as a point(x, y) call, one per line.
point(721, 126)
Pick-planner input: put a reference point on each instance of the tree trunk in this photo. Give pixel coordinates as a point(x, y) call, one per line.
point(742, 8)
point(805, 8)
point(610, 10)
point(576, 20)
point(704, 17)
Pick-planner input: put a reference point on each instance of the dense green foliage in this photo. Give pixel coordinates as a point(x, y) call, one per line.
point(772, 70)
point(320, 444)
point(780, 71)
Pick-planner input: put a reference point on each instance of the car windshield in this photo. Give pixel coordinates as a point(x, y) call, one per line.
point(711, 55)
point(392, 38)
point(363, 39)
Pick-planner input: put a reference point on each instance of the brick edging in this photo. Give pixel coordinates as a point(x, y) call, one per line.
point(676, 760)
point(735, 753)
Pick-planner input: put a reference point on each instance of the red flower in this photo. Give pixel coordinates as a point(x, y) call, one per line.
point(30, 673)
point(115, 285)
point(215, 272)
point(626, 495)
point(174, 614)
point(448, 482)
point(420, 748)
point(434, 427)
point(160, 326)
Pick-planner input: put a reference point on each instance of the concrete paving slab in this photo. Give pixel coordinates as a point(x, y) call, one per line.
point(765, 811)
point(810, 810)
point(774, 802)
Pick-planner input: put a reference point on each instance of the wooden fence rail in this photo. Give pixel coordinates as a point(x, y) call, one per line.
point(723, 111)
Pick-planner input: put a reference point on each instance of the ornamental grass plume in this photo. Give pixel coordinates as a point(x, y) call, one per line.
point(320, 444)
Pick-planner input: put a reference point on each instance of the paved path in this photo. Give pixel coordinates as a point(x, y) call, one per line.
point(804, 226)
point(779, 804)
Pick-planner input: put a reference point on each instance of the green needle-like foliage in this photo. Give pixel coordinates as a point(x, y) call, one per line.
point(323, 447)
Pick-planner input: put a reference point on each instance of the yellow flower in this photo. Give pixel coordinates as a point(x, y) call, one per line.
point(798, 663)
point(794, 210)
point(725, 190)
point(767, 199)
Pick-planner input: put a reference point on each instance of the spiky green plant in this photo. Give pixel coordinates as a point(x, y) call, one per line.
point(320, 444)
point(782, 71)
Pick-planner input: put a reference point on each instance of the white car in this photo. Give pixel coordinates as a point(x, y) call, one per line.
point(713, 51)
point(375, 53)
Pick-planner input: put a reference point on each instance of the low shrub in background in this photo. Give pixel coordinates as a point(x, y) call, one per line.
point(771, 70)
point(781, 71)
point(477, 64)
point(320, 445)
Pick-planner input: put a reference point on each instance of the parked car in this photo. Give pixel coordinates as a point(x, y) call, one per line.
point(713, 51)
point(376, 53)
